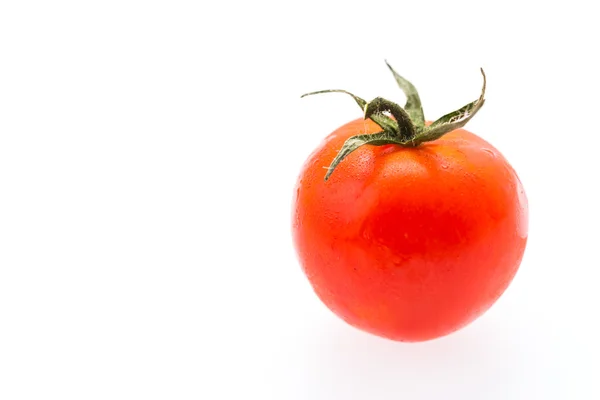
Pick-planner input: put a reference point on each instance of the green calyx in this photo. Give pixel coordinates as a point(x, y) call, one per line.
point(402, 126)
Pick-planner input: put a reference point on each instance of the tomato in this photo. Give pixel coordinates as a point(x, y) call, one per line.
point(409, 242)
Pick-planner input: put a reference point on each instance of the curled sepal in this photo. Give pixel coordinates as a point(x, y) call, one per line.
point(361, 103)
point(405, 128)
point(413, 102)
point(386, 123)
point(454, 120)
point(354, 142)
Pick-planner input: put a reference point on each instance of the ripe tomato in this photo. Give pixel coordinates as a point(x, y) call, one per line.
point(409, 242)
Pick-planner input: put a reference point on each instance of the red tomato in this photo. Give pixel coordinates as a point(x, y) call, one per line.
point(409, 243)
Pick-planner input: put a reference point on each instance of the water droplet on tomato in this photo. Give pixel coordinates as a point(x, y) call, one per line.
point(490, 152)
point(398, 260)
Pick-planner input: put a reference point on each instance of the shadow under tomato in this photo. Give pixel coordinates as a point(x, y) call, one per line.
point(475, 362)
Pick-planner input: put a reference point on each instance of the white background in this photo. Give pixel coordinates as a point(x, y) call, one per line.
point(148, 152)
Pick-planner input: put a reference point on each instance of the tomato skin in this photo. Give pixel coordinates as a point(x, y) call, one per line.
point(409, 243)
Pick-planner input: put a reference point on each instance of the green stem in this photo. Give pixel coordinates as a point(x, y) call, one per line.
point(413, 101)
point(386, 123)
point(407, 128)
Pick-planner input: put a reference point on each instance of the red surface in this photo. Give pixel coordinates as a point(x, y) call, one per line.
point(409, 244)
